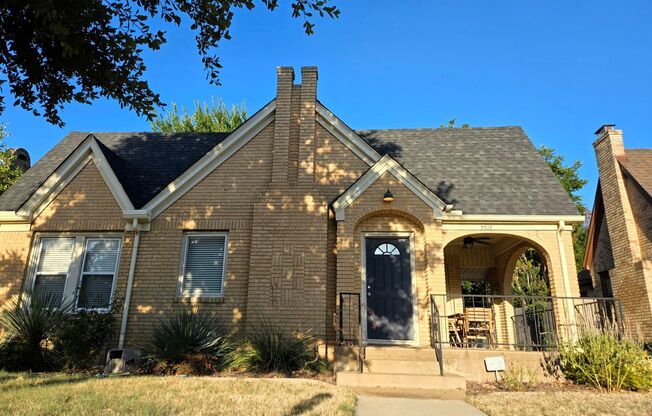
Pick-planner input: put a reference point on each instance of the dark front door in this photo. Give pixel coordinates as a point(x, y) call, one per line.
point(390, 300)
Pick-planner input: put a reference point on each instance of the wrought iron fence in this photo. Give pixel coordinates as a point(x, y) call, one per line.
point(529, 323)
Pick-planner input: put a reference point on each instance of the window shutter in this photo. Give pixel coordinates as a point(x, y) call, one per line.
point(204, 268)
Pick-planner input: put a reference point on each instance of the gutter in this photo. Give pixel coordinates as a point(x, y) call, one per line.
point(130, 283)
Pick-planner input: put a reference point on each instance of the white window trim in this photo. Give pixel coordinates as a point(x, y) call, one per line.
point(73, 279)
point(182, 265)
point(80, 279)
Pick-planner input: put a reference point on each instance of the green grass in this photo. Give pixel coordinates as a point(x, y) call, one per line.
point(63, 394)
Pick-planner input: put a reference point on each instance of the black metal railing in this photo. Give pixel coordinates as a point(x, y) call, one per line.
point(435, 336)
point(529, 323)
point(349, 324)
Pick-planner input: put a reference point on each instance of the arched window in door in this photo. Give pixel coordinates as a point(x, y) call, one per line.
point(387, 249)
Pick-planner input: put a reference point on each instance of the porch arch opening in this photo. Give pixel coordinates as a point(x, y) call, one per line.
point(498, 293)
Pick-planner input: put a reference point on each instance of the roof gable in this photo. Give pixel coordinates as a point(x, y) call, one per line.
point(388, 165)
point(88, 150)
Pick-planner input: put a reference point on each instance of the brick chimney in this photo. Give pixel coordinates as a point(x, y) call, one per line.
point(306, 163)
point(280, 152)
point(609, 148)
point(21, 159)
point(294, 129)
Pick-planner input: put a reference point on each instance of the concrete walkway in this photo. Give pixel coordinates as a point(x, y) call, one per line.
point(386, 406)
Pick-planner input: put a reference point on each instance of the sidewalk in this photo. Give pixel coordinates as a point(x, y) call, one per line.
point(386, 406)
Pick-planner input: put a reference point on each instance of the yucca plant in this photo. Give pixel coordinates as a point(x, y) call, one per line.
point(29, 325)
point(266, 348)
point(187, 333)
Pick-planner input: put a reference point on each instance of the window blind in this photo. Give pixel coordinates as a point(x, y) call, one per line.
point(98, 273)
point(55, 255)
point(204, 266)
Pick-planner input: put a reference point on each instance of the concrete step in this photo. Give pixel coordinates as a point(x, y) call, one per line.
point(402, 366)
point(400, 381)
point(399, 353)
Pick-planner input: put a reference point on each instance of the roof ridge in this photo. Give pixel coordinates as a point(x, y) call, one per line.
point(150, 132)
point(443, 128)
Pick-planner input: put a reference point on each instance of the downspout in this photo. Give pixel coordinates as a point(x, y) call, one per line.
point(130, 283)
point(564, 272)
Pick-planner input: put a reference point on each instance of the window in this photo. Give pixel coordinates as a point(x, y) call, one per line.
point(52, 266)
point(605, 281)
point(98, 273)
point(82, 269)
point(204, 263)
point(386, 249)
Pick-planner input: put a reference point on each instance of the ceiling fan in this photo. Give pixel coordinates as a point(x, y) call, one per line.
point(469, 241)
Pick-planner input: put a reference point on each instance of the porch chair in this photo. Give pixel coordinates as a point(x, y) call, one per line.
point(478, 325)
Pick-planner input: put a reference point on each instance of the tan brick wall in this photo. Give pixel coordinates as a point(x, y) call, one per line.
point(223, 201)
point(85, 204)
point(273, 231)
point(14, 254)
point(631, 280)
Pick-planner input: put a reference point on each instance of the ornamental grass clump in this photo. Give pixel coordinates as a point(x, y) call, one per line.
point(607, 362)
point(268, 349)
point(190, 343)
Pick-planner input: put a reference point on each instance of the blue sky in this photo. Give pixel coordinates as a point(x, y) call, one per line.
point(559, 69)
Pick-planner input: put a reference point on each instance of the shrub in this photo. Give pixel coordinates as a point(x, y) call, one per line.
point(268, 349)
point(607, 362)
point(81, 339)
point(29, 328)
point(184, 336)
point(519, 378)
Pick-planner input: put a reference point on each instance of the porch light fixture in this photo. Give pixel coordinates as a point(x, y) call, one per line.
point(388, 197)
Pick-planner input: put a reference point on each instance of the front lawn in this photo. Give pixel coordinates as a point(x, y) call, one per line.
point(567, 403)
point(62, 394)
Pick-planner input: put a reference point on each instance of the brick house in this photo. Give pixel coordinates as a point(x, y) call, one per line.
point(363, 237)
point(619, 247)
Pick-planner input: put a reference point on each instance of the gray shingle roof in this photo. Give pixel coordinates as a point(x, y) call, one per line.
point(638, 162)
point(144, 163)
point(480, 170)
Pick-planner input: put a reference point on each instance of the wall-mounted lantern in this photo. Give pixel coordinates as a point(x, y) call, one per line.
point(388, 197)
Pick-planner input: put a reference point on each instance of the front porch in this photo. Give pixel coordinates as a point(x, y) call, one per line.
point(465, 330)
point(518, 323)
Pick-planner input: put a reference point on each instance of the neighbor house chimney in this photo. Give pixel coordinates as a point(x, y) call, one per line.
point(609, 149)
point(21, 159)
point(282, 121)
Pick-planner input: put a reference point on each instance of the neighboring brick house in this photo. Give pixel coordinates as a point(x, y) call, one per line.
point(619, 246)
point(284, 218)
